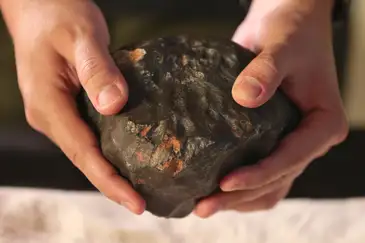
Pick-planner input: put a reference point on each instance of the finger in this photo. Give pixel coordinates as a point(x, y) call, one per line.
point(81, 147)
point(227, 200)
point(99, 76)
point(230, 199)
point(312, 139)
point(252, 195)
point(259, 80)
point(59, 120)
point(95, 69)
point(268, 201)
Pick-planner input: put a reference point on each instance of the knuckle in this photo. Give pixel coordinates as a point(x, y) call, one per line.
point(265, 70)
point(258, 176)
point(75, 158)
point(33, 119)
point(30, 117)
point(269, 62)
point(343, 129)
point(282, 180)
point(267, 58)
point(246, 182)
point(89, 68)
point(270, 202)
point(84, 31)
point(323, 151)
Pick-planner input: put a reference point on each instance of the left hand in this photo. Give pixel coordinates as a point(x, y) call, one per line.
point(60, 47)
point(293, 40)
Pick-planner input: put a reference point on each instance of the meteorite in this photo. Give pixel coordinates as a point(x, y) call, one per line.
point(181, 131)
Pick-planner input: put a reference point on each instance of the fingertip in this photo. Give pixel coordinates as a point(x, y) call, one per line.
point(131, 198)
point(230, 184)
point(137, 208)
point(200, 209)
point(141, 206)
point(205, 209)
point(237, 180)
point(112, 185)
point(256, 84)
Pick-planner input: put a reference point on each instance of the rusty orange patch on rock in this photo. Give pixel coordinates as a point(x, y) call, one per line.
point(166, 165)
point(179, 167)
point(145, 131)
point(173, 142)
point(175, 166)
point(137, 54)
point(176, 145)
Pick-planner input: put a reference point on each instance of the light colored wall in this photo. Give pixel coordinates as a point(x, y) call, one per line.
point(355, 88)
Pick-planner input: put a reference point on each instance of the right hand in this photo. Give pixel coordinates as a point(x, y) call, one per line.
point(293, 42)
point(61, 46)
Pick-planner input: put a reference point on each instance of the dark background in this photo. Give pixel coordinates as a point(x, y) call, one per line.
point(28, 159)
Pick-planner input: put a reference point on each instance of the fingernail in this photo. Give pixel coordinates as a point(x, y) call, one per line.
point(109, 95)
point(231, 186)
point(248, 88)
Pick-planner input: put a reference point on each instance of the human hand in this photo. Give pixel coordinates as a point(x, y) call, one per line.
point(61, 46)
point(294, 45)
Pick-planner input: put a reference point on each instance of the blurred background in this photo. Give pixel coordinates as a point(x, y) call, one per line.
point(28, 159)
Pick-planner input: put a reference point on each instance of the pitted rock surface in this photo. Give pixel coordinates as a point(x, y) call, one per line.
point(181, 131)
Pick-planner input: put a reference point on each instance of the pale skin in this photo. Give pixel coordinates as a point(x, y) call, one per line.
point(62, 45)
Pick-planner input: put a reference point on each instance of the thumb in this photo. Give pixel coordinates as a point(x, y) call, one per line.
point(258, 81)
point(100, 77)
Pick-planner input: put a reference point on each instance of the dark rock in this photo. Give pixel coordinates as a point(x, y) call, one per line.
point(181, 130)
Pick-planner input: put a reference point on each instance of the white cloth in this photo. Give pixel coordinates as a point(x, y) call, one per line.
point(53, 216)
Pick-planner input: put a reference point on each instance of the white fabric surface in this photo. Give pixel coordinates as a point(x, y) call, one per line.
point(52, 216)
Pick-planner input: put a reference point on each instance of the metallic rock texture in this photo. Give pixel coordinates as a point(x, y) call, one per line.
point(181, 131)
